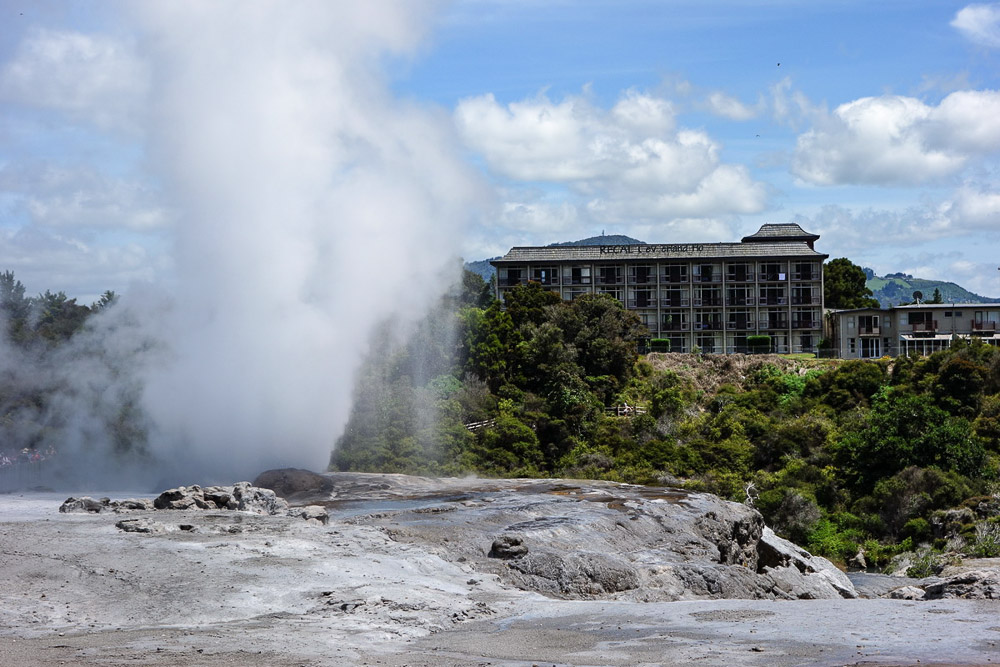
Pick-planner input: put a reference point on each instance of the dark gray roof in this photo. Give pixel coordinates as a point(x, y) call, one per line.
point(783, 231)
point(659, 252)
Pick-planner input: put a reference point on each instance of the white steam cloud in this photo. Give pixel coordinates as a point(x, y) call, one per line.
point(309, 204)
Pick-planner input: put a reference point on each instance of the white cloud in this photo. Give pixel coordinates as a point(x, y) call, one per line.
point(90, 77)
point(626, 161)
point(979, 24)
point(896, 140)
point(975, 208)
point(729, 107)
point(82, 197)
point(83, 268)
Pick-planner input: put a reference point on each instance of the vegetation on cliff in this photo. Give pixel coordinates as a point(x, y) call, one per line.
point(837, 455)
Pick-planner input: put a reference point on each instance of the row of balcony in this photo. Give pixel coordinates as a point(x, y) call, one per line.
point(699, 302)
point(667, 279)
point(770, 325)
point(932, 327)
point(707, 348)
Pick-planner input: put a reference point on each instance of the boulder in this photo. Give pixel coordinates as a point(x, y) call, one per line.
point(907, 593)
point(508, 546)
point(798, 573)
point(291, 482)
point(971, 585)
point(314, 513)
point(250, 498)
point(181, 498)
point(84, 504)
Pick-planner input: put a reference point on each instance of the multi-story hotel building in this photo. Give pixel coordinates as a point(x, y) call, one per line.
point(922, 328)
point(708, 296)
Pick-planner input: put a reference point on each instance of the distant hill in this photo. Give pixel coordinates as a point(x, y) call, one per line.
point(486, 270)
point(614, 239)
point(482, 267)
point(896, 288)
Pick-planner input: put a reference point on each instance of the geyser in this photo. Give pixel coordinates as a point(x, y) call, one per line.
point(307, 204)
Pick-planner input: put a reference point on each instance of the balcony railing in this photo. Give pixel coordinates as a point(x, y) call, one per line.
point(513, 282)
point(776, 324)
point(925, 327)
point(745, 277)
point(674, 278)
point(552, 280)
point(773, 301)
point(675, 326)
point(984, 326)
point(710, 278)
point(741, 326)
point(642, 280)
point(805, 300)
point(610, 280)
point(576, 280)
point(641, 303)
point(770, 277)
point(807, 324)
point(741, 301)
point(870, 330)
point(805, 275)
point(675, 302)
point(708, 301)
point(708, 326)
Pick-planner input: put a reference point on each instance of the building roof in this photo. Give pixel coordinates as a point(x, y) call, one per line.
point(659, 252)
point(784, 231)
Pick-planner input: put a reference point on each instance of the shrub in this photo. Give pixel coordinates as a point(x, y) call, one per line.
point(659, 345)
point(759, 344)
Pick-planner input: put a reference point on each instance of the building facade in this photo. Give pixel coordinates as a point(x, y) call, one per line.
point(923, 328)
point(704, 296)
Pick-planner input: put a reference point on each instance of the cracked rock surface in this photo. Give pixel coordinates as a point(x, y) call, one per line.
point(416, 571)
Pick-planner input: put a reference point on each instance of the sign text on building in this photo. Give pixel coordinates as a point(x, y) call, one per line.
point(650, 248)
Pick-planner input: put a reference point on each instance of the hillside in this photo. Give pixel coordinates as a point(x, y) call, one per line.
point(896, 288)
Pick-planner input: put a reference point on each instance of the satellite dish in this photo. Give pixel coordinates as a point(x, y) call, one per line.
point(918, 296)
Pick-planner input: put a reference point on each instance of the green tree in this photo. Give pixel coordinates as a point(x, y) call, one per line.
point(903, 430)
point(844, 285)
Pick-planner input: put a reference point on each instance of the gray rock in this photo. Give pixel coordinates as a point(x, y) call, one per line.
point(293, 482)
point(508, 546)
point(576, 575)
point(143, 525)
point(800, 574)
point(84, 504)
point(972, 585)
point(250, 498)
point(907, 593)
point(315, 513)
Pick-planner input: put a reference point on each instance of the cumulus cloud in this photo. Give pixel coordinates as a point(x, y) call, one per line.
point(980, 24)
point(46, 259)
point(896, 140)
point(629, 160)
point(92, 77)
point(82, 197)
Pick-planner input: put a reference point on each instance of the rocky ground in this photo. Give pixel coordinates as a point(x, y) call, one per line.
point(395, 570)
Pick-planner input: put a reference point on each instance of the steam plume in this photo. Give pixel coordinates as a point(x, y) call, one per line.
point(309, 204)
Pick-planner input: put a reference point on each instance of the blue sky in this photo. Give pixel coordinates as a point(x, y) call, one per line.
point(666, 121)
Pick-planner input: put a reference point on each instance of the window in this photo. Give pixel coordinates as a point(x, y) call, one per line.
point(852, 346)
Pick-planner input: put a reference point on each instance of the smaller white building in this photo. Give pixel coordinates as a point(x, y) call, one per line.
point(923, 328)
